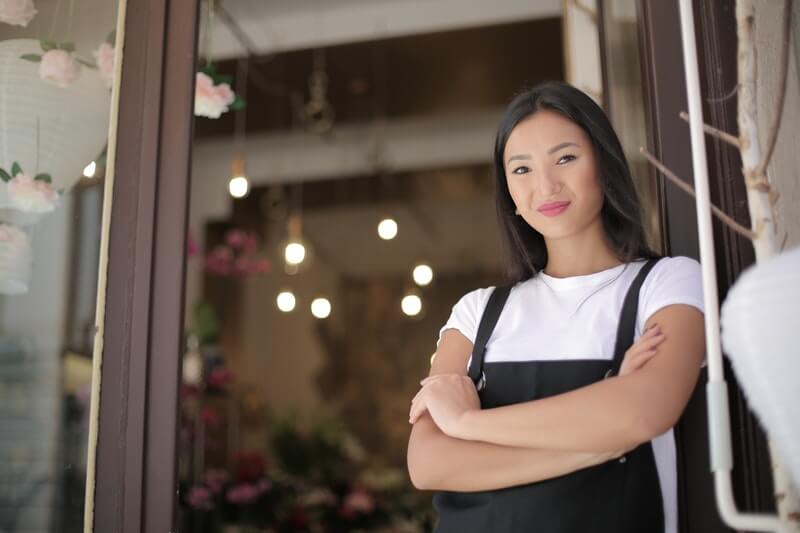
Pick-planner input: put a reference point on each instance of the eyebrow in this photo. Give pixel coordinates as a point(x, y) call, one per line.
point(552, 150)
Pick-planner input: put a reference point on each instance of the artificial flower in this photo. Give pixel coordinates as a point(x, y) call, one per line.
point(211, 100)
point(105, 63)
point(59, 67)
point(32, 195)
point(17, 12)
point(200, 497)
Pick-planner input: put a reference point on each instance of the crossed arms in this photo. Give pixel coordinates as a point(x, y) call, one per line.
point(453, 447)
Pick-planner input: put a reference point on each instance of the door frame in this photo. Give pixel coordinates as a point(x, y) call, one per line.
point(135, 486)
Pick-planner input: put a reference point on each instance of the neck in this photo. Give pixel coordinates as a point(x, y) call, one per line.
point(578, 255)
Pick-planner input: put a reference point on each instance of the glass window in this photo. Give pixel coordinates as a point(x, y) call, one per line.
point(56, 76)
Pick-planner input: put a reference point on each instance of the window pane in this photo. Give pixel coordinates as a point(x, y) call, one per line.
point(56, 77)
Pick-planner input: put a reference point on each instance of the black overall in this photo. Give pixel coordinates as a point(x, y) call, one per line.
point(620, 496)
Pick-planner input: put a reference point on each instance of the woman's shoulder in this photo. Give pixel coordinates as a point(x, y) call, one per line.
point(673, 279)
point(676, 266)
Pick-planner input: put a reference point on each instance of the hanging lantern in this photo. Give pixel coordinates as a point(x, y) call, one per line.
point(760, 335)
point(45, 129)
point(15, 260)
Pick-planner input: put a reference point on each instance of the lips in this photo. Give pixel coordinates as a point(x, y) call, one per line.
point(553, 208)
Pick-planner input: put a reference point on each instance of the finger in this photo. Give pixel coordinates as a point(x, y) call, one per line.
point(652, 342)
point(417, 410)
point(642, 358)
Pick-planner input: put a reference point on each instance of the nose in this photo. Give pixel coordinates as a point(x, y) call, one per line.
point(548, 184)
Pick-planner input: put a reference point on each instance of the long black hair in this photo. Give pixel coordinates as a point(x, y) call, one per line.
point(621, 212)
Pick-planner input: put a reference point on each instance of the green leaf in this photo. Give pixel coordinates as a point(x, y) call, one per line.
point(223, 78)
point(112, 38)
point(67, 47)
point(210, 70)
point(16, 169)
point(35, 58)
point(44, 177)
point(85, 63)
point(238, 103)
point(47, 45)
point(4, 176)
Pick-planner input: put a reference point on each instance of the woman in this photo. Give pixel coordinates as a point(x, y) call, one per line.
point(550, 403)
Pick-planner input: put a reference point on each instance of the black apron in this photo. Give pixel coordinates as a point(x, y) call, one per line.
point(620, 496)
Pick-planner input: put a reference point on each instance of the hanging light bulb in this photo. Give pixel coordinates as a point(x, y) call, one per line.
point(295, 253)
point(411, 304)
point(387, 229)
point(321, 308)
point(423, 274)
point(90, 169)
point(238, 186)
point(286, 301)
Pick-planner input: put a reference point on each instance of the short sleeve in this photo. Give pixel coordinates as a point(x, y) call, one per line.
point(466, 314)
point(674, 280)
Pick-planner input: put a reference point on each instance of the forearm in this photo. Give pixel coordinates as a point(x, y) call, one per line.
point(439, 462)
point(601, 417)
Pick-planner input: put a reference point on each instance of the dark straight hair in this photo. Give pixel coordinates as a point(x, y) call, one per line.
point(621, 212)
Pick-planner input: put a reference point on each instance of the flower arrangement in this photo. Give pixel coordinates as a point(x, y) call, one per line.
point(237, 257)
point(213, 94)
point(17, 12)
point(312, 478)
point(60, 65)
point(33, 194)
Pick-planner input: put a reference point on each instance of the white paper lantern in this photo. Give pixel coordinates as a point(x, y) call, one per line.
point(760, 321)
point(16, 260)
point(72, 122)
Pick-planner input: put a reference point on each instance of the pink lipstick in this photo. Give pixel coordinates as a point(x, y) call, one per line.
point(553, 209)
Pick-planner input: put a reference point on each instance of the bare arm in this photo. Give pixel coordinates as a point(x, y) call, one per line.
point(613, 414)
point(439, 462)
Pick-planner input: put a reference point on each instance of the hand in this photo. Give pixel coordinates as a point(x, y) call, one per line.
point(641, 351)
point(447, 397)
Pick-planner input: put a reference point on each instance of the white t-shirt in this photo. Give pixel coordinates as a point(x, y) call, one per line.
point(547, 318)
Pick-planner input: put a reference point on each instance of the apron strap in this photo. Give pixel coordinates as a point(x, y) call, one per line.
point(627, 319)
point(488, 320)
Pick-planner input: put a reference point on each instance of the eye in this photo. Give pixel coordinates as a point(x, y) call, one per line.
point(521, 170)
point(566, 158)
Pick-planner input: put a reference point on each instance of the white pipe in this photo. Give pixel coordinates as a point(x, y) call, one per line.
point(718, 413)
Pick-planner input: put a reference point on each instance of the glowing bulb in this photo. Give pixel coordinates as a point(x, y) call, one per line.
point(295, 253)
point(239, 187)
point(387, 229)
point(411, 304)
point(321, 308)
point(90, 169)
point(286, 301)
point(423, 274)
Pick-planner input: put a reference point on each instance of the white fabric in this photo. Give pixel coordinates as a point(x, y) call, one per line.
point(547, 318)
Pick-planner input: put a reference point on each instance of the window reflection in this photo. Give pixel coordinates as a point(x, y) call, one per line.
point(56, 74)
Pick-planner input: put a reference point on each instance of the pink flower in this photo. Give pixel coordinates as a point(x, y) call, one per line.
point(215, 478)
point(243, 493)
point(59, 67)
point(17, 12)
point(33, 196)
point(359, 501)
point(225, 94)
point(200, 497)
point(105, 63)
point(211, 100)
point(235, 238)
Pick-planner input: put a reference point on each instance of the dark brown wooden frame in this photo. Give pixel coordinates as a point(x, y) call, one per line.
point(136, 475)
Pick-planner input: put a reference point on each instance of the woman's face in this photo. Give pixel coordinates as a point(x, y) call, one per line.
point(551, 173)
